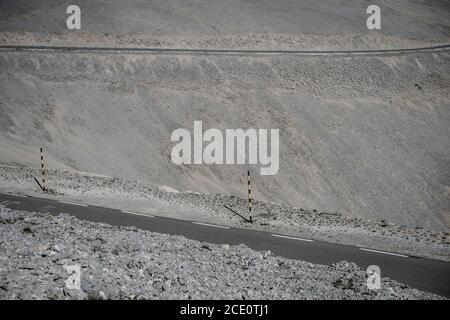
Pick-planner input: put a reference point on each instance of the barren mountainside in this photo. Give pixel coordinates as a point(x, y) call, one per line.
point(365, 136)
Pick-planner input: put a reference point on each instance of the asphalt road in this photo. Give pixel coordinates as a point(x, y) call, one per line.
point(219, 51)
point(424, 274)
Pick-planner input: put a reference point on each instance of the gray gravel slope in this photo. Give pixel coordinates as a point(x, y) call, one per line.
point(424, 20)
point(364, 136)
point(127, 263)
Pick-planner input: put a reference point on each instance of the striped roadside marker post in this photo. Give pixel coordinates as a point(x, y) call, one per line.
point(249, 195)
point(43, 171)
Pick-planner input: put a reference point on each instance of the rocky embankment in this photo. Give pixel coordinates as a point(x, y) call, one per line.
point(138, 196)
point(126, 263)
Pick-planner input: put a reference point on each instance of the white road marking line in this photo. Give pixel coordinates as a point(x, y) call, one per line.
point(74, 203)
point(18, 195)
point(137, 214)
point(211, 225)
point(293, 238)
point(384, 252)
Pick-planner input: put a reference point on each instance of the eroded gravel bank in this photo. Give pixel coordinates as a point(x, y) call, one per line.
point(127, 263)
point(114, 192)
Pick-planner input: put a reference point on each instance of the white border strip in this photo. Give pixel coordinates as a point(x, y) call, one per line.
point(293, 238)
point(137, 214)
point(74, 203)
point(210, 225)
point(384, 252)
point(18, 195)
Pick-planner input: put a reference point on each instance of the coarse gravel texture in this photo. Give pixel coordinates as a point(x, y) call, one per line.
point(138, 196)
point(127, 263)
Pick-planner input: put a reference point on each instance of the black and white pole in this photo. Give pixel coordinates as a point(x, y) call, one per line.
point(249, 195)
point(43, 171)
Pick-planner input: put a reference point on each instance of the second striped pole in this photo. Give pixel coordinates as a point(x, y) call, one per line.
point(249, 195)
point(43, 170)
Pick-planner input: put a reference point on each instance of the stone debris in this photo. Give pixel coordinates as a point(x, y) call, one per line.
point(337, 227)
point(128, 263)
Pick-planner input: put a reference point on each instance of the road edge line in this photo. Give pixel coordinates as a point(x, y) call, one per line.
point(137, 213)
point(384, 252)
point(289, 237)
point(210, 225)
point(73, 203)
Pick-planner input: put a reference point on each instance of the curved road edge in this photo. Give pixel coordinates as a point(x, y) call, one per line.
point(98, 49)
point(423, 274)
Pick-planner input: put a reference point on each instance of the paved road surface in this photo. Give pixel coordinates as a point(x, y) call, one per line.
point(424, 274)
point(219, 51)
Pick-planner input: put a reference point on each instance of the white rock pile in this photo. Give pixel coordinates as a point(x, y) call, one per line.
point(127, 263)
